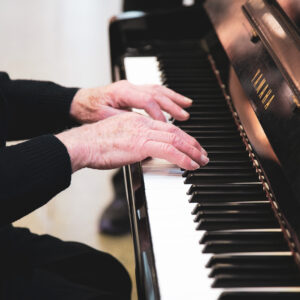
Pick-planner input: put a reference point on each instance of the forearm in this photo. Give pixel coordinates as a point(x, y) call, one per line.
point(36, 107)
point(31, 173)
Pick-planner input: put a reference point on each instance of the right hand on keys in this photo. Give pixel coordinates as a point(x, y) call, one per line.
point(127, 138)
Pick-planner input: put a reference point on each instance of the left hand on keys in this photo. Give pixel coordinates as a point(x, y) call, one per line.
point(93, 104)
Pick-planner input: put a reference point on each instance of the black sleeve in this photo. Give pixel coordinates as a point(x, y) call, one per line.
point(31, 173)
point(35, 107)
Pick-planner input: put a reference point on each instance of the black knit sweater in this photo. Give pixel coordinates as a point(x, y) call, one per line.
point(32, 172)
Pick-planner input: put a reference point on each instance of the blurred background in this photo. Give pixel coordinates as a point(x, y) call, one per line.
point(66, 41)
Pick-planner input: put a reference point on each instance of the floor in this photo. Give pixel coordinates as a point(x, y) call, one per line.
point(66, 41)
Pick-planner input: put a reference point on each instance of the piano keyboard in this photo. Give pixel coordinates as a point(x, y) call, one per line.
point(214, 234)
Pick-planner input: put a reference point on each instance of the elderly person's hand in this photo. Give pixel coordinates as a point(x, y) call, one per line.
point(127, 138)
point(93, 104)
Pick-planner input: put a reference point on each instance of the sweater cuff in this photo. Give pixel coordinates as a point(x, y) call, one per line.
point(32, 173)
point(47, 159)
point(60, 99)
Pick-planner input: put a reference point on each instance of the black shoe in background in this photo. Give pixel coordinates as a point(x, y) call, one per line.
point(115, 218)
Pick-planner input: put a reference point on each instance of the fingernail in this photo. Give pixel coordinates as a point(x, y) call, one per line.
point(185, 113)
point(204, 151)
point(195, 165)
point(204, 159)
point(188, 100)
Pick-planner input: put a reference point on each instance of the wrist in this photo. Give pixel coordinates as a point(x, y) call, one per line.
point(75, 147)
point(86, 105)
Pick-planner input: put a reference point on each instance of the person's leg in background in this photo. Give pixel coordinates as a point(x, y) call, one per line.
point(43, 267)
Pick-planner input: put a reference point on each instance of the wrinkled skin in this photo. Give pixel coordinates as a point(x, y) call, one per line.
point(114, 137)
point(94, 104)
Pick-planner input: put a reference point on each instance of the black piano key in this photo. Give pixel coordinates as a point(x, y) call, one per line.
point(253, 188)
point(284, 295)
point(207, 121)
point(225, 168)
point(185, 59)
point(211, 132)
point(191, 71)
point(257, 280)
point(202, 66)
point(205, 109)
point(243, 188)
point(280, 260)
point(242, 269)
point(275, 236)
point(200, 96)
point(232, 213)
point(197, 53)
point(210, 82)
point(219, 168)
point(255, 205)
point(186, 64)
point(220, 177)
point(191, 58)
point(229, 246)
point(178, 75)
point(218, 196)
point(228, 156)
point(223, 223)
point(209, 105)
point(228, 128)
point(213, 146)
point(199, 86)
point(204, 114)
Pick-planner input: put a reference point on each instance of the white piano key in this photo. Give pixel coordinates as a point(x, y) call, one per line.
point(179, 261)
point(177, 253)
point(143, 70)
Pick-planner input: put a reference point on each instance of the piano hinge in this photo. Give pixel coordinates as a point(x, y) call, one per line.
point(256, 164)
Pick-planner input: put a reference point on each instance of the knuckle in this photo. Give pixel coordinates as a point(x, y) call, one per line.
point(167, 148)
point(185, 161)
point(175, 140)
point(171, 128)
point(194, 142)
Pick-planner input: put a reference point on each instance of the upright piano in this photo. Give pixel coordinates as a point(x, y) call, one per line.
point(229, 230)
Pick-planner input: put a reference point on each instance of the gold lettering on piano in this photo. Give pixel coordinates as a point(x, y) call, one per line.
point(262, 89)
point(256, 74)
point(269, 102)
point(266, 96)
point(257, 80)
point(260, 85)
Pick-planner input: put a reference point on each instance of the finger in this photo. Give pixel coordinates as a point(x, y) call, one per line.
point(154, 110)
point(169, 153)
point(175, 97)
point(172, 108)
point(142, 99)
point(180, 144)
point(173, 129)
